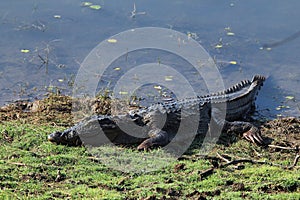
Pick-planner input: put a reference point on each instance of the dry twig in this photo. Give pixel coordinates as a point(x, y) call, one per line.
point(210, 171)
point(281, 147)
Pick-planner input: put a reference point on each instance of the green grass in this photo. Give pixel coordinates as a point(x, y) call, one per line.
point(33, 168)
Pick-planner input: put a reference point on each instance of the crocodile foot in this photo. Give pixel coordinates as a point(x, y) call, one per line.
point(157, 138)
point(247, 130)
point(253, 135)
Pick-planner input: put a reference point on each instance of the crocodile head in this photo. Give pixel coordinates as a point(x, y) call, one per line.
point(68, 137)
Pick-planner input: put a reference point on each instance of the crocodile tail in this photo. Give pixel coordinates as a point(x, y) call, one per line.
point(257, 82)
point(243, 101)
point(259, 79)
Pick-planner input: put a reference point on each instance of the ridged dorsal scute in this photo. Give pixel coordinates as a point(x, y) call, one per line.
point(232, 89)
point(238, 86)
point(259, 78)
point(223, 96)
point(229, 90)
point(236, 91)
point(245, 82)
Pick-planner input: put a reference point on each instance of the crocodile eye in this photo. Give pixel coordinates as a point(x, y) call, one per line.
point(71, 134)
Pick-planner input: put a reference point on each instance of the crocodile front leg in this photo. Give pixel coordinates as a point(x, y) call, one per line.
point(157, 138)
point(155, 122)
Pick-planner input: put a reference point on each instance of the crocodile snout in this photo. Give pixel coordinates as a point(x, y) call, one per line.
point(54, 137)
point(69, 138)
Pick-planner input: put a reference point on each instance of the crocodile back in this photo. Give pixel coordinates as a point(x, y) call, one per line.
point(239, 100)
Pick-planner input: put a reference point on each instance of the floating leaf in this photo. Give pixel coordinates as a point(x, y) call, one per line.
point(117, 69)
point(192, 35)
point(168, 78)
point(60, 80)
point(95, 7)
point(57, 16)
point(25, 50)
point(233, 62)
point(86, 3)
point(282, 106)
point(158, 87)
point(123, 92)
point(230, 33)
point(278, 108)
point(112, 40)
point(218, 46)
point(289, 97)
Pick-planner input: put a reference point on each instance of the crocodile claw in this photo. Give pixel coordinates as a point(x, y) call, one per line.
point(145, 145)
point(253, 135)
point(158, 138)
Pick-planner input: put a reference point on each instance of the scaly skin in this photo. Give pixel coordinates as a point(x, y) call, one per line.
point(158, 124)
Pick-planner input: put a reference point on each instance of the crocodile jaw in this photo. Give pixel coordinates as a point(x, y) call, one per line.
point(69, 138)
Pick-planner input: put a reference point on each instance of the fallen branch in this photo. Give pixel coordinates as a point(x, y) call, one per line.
point(223, 158)
point(281, 147)
point(295, 162)
point(210, 171)
point(234, 162)
point(207, 173)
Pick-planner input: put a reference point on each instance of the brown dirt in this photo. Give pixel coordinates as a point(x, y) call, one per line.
point(283, 132)
point(54, 109)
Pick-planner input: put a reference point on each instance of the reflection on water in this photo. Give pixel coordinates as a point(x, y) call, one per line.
point(43, 43)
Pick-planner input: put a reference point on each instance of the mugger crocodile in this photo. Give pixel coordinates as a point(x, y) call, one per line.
point(158, 124)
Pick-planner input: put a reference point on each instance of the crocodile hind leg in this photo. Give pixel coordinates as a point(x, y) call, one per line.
point(157, 138)
point(246, 130)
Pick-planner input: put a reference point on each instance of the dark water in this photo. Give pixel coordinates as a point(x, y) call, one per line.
point(60, 34)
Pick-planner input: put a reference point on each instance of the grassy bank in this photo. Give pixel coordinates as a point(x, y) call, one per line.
point(33, 168)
